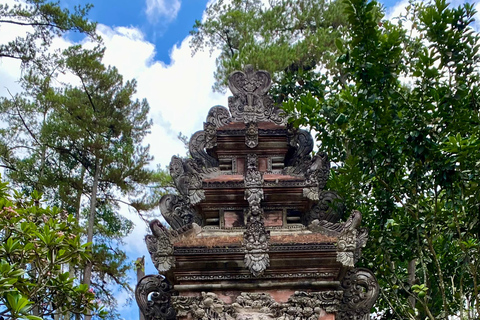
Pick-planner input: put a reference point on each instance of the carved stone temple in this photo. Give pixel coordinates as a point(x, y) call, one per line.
point(252, 232)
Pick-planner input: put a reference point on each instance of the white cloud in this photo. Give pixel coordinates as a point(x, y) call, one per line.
point(179, 94)
point(162, 9)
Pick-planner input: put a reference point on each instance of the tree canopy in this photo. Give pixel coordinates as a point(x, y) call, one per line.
point(283, 35)
point(80, 144)
point(42, 20)
point(398, 114)
point(37, 245)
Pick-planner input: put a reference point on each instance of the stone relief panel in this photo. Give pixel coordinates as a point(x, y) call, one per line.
point(309, 305)
point(359, 293)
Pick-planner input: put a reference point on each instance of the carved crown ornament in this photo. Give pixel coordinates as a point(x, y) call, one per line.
point(252, 216)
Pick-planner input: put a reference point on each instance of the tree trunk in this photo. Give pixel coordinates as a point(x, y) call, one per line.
point(87, 276)
point(411, 280)
point(78, 202)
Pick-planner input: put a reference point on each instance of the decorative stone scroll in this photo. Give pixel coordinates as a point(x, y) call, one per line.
point(351, 238)
point(301, 145)
point(178, 212)
point(196, 147)
point(153, 295)
point(217, 117)
point(160, 246)
point(329, 207)
point(187, 179)
point(360, 291)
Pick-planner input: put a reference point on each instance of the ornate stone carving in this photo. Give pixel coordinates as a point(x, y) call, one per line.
point(316, 176)
point(178, 212)
point(251, 134)
point(249, 305)
point(208, 307)
point(153, 295)
point(308, 306)
point(256, 244)
point(360, 293)
point(256, 238)
point(187, 180)
point(196, 147)
point(219, 116)
point(351, 238)
point(301, 145)
point(250, 102)
point(329, 208)
point(210, 135)
point(260, 306)
point(160, 246)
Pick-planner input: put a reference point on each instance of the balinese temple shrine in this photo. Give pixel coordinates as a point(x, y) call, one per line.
point(251, 232)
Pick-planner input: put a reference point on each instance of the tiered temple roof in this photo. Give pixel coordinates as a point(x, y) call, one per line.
point(252, 232)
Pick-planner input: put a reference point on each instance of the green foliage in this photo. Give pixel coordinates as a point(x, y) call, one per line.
point(37, 244)
point(43, 20)
point(399, 117)
point(79, 145)
point(285, 35)
point(401, 120)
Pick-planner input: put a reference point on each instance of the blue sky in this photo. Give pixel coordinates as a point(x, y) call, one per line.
point(163, 29)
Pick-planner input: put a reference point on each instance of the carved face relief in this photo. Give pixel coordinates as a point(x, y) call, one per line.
point(256, 243)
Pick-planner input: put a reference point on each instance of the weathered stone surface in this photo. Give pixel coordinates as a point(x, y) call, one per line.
point(253, 232)
point(153, 295)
